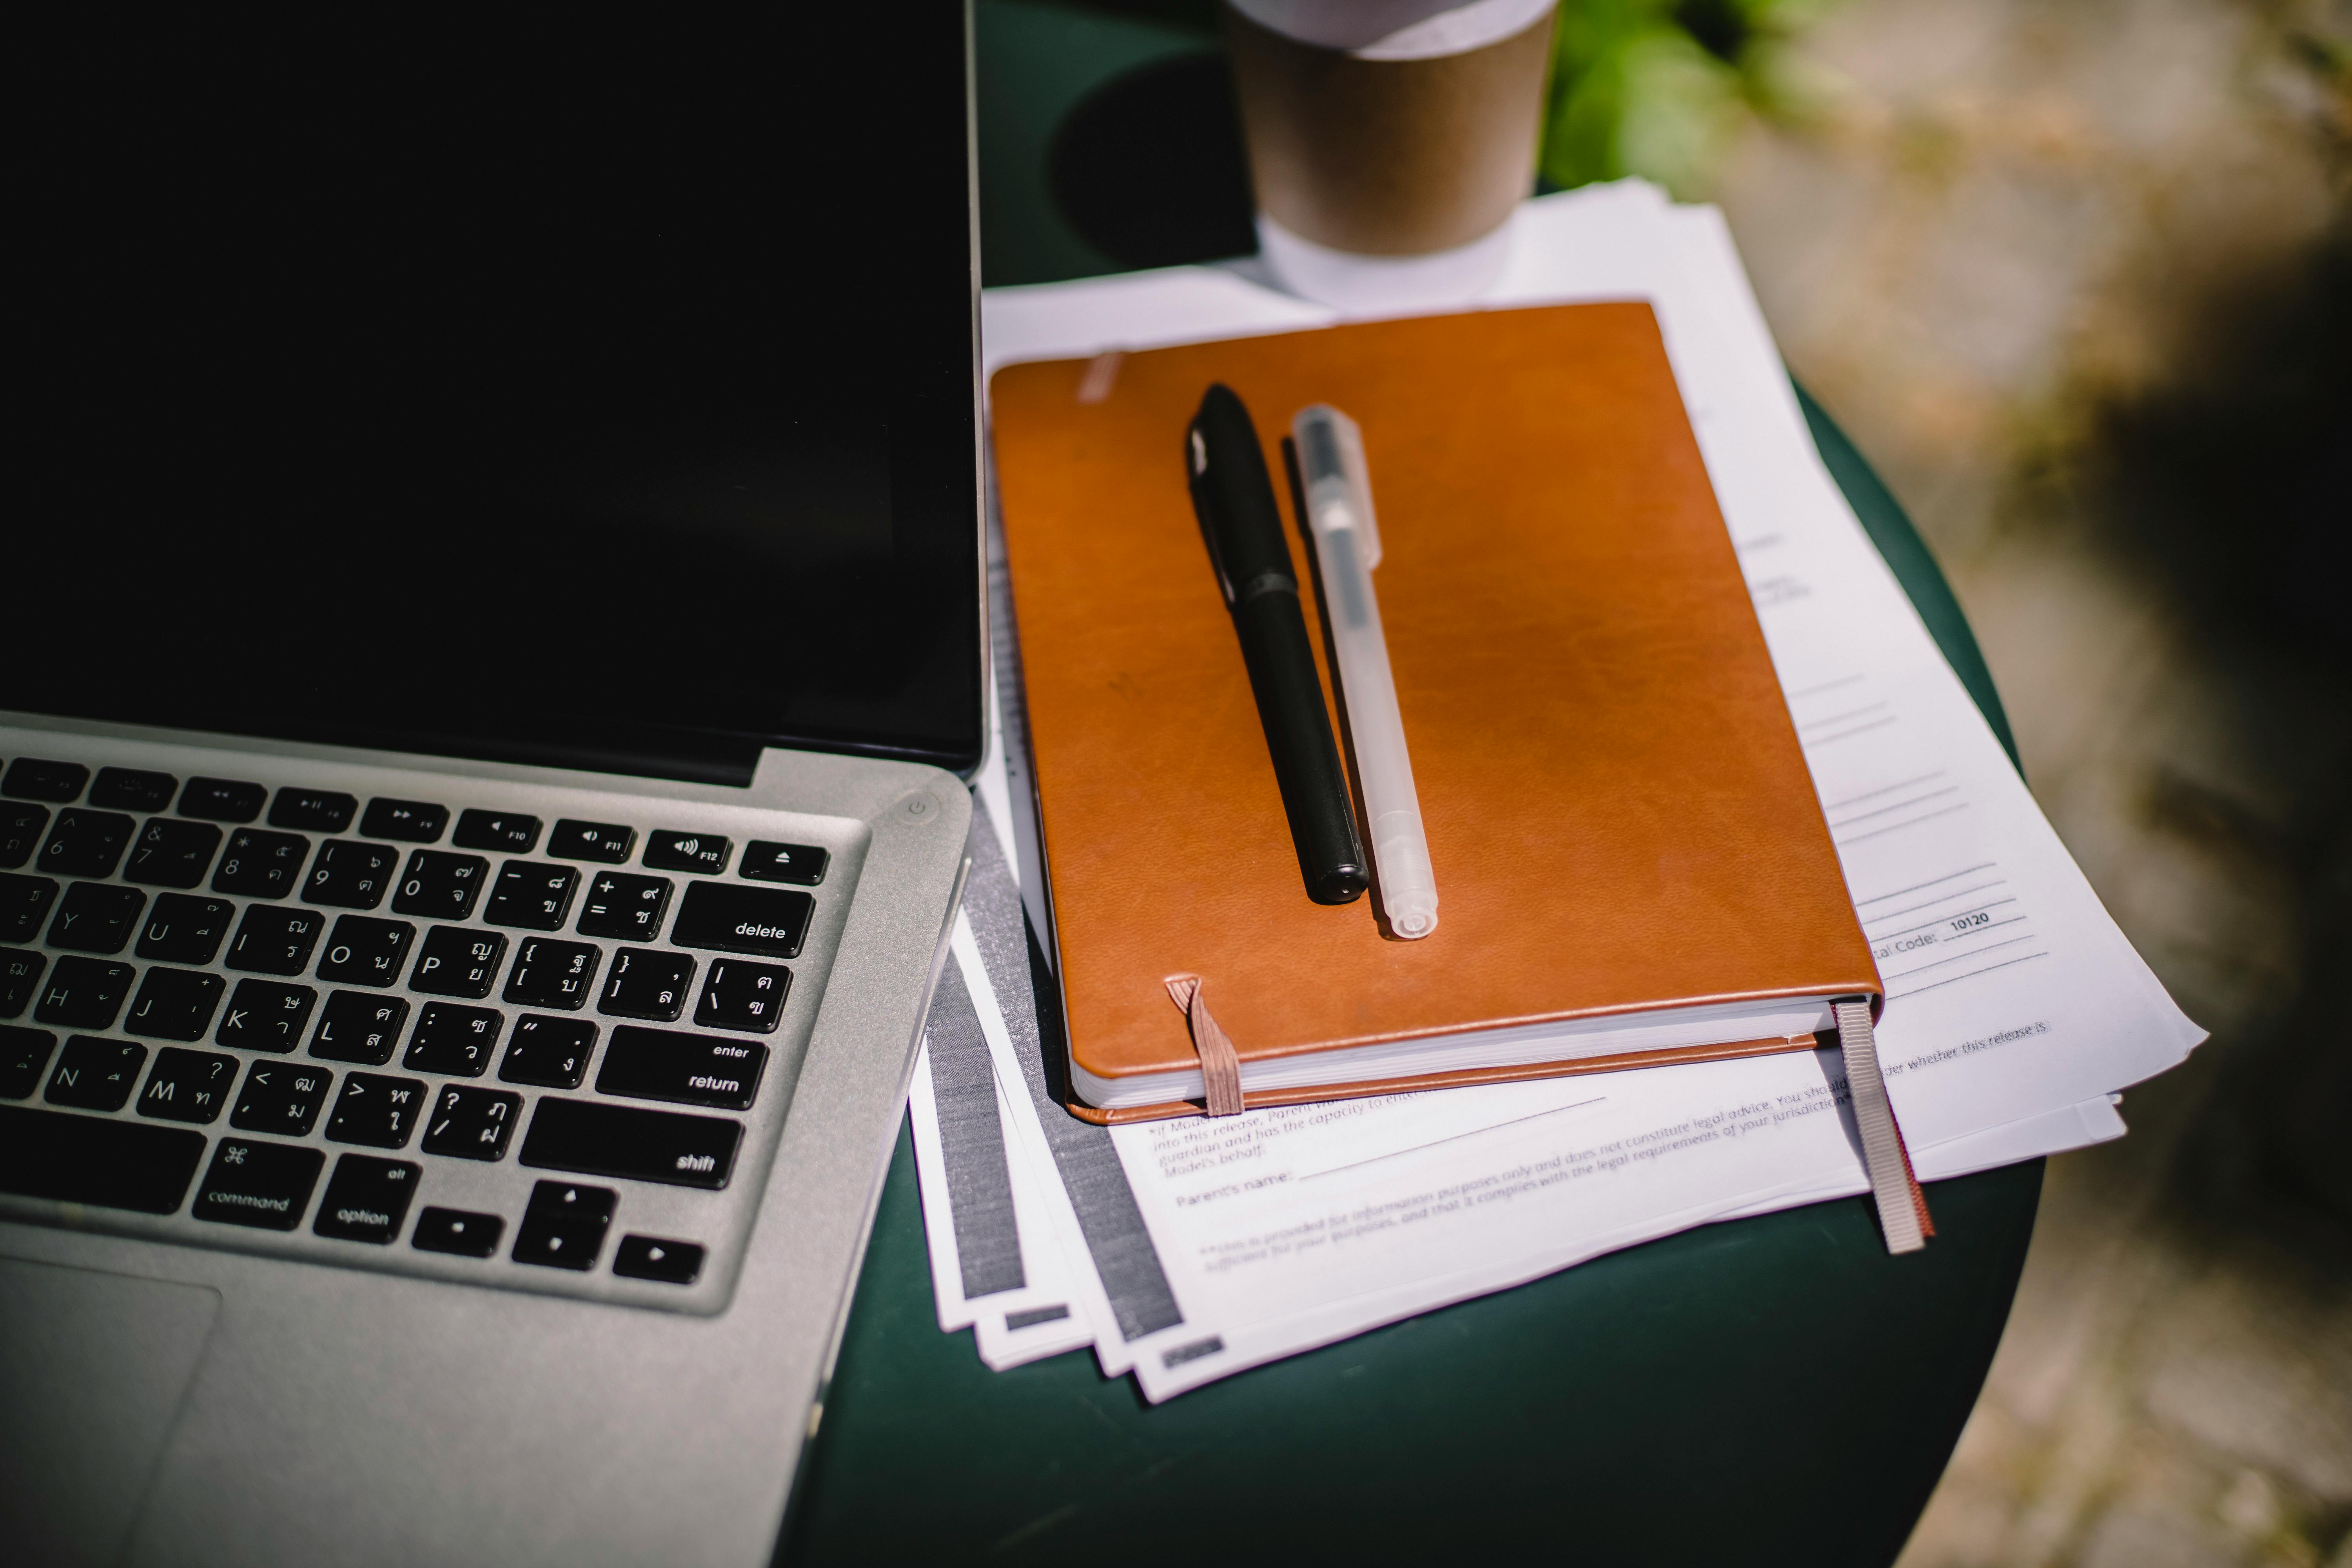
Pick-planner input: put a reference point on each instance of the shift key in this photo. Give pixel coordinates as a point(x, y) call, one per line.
point(623, 1141)
point(765, 921)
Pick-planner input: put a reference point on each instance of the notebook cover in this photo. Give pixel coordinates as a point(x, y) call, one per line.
point(1619, 813)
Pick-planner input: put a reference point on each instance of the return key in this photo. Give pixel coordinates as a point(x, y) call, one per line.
point(687, 1069)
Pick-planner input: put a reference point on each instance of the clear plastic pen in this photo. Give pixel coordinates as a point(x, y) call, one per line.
point(1348, 546)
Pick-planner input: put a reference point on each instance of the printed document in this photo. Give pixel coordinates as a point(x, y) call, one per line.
point(1193, 1249)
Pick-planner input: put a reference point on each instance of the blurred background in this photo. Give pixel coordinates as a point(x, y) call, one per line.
point(2077, 275)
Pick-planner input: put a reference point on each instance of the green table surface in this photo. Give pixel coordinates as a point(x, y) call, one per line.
point(1772, 1390)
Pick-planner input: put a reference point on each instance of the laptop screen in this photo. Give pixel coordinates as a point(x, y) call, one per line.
point(601, 396)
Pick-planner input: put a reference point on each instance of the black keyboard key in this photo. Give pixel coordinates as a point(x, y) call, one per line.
point(564, 1226)
point(30, 778)
point(354, 1026)
point(275, 942)
point(84, 994)
point(20, 830)
point(455, 961)
point(553, 973)
point(799, 863)
point(24, 1057)
point(174, 1004)
point(363, 950)
point(283, 1097)
point(367, 1199)
point(132, 789)
point(24, 904)
point(454, 1040)
point(410, 821)
point(647, 983)
point(499, 831)
point(458, 1232)
point(95, 917)
point(94, 1074)
point(265, 1185)
point(658, 1258)
point(472, 1123)
point(222, 800)
point(184, 929)
point(533, 895)
point(261, 864)
point(266, 1016)
point(673, 851)
point(552, 1053)
point(382, 1111)
point(743, 995)
point(168, 853)
point(312, 810)
point(349, 874)
point(134, 1165)
point(20, 980)
point(742, 919)
point(623, 1140)
point(606, 841)
point(441, 886)
point(625, 908)
point(187, 1085)
point(85, 843)
point(688, 1070)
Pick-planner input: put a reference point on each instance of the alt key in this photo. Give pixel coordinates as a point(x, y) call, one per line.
point(366, 1199)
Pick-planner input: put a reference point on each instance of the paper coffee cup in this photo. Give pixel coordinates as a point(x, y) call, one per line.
point(1389, 140)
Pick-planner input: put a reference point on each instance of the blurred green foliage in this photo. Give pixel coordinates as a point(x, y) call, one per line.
point(1656, 88)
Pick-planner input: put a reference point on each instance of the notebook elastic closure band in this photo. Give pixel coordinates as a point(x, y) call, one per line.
point(1220, 1065)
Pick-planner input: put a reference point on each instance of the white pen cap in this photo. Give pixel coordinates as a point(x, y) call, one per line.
point(1332, 469)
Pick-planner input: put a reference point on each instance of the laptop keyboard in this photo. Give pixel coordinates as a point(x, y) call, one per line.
point(389, 1019)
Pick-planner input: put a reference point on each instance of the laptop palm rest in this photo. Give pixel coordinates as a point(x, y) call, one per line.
point(92, 1369)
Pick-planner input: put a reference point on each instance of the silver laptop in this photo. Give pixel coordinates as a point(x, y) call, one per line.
point(490, 635)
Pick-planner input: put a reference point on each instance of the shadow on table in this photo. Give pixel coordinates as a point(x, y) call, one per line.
point(1149, 167)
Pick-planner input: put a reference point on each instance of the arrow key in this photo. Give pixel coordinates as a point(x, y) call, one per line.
point(656, 1258)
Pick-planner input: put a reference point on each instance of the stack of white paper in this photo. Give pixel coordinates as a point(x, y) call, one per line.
point(1186, 1250)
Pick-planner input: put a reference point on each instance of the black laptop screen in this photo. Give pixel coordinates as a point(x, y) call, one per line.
point(602, 398)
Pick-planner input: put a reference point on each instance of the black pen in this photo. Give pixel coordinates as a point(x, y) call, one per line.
point(1233, 498)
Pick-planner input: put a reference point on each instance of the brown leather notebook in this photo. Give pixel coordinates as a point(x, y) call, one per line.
point(1632, 862)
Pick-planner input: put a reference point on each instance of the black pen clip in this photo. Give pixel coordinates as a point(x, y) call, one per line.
point(1196, 470)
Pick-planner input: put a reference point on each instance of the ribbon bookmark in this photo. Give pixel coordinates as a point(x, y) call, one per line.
point(1221, 1065)
point(1902, 1206)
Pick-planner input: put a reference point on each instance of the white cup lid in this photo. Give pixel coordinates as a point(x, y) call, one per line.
point(1396, 29)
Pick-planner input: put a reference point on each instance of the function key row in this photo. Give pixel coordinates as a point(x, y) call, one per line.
point(96, 839)
point(33, 778)
point(234, 801)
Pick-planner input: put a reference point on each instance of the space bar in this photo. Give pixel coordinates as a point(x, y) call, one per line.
point(84, 1160)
